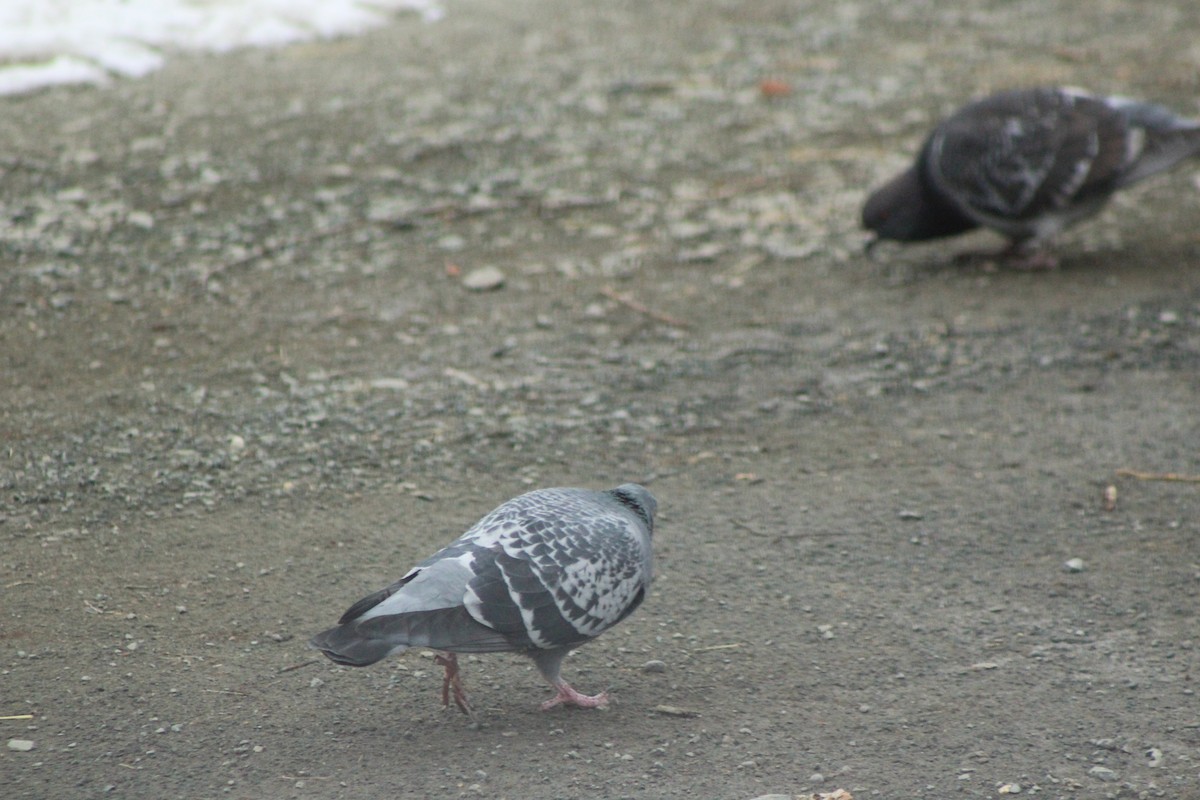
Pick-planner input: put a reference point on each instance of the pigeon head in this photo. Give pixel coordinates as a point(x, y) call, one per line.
point(638, 499)
point(906, 209)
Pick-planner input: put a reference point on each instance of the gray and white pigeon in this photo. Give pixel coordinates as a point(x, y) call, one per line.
point(1028, 163)
point(540, 575)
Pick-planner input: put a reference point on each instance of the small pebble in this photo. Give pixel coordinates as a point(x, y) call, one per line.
point(20, 745)
point(483, 279)
point(654, 666)
point(1102, 773)
point(1073, 565)
point(1009, 788)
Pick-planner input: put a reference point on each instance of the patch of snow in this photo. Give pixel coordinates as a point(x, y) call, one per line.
point(50, 42)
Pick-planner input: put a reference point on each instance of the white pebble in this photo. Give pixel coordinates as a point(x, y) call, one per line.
point(20, 745)
point(483, 279)
point(1073, 565)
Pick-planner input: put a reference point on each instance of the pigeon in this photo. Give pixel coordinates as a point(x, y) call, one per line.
point(1028, 163)
point(540, 575)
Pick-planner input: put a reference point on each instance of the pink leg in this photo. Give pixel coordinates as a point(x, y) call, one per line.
point(1022, 257)
point(1029, 257)
point(569, 697)
point(452, 682)
point(1041, 261)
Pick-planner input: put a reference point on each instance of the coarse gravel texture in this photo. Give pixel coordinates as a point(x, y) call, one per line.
point(250, 369)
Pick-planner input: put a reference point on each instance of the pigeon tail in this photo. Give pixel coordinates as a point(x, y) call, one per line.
point(343, 645)
point(1164, 140)
point(359, 643)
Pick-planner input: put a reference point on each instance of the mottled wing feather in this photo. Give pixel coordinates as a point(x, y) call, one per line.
point(560, 581)
point(1022, 155)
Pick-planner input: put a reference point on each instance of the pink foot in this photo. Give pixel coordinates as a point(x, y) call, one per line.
point(569, 697)
point(1040, 261)
point(1022, 257)
point(1029, 256)
point(452, 683)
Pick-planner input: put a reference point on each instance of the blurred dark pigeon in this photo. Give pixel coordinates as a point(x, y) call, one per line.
point(1028, 163)
point(541, 575)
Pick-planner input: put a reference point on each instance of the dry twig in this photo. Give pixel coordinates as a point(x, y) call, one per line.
point(732, 646)
point(629, 302)
point(1138, 475)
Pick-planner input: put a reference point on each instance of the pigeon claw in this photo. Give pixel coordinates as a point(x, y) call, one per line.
point(452, 684)
point(567, 696)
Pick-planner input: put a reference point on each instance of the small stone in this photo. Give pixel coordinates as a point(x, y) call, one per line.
point(483, 279)
point(1009, 788)
point(1103, 774)
point(315, 682)
point(908, 514)
point(654, 666)
point(140, 219)
point(20, 745)
point(392, 384)
point(1073, 565)
point(816, 777)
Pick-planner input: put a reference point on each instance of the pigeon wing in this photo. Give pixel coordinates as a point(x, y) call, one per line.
point(556, 580)
point(1026, 154)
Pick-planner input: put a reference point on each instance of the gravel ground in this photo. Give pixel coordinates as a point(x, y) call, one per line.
point(280, 323)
